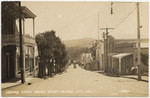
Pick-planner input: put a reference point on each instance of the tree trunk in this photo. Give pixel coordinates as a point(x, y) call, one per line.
point(49, 64)
point(40, 67)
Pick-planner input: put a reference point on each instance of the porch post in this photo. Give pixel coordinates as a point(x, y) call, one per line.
point(16, 64)
point(34, 45)
point(33, 28)
point(34, 56)
point(119, 66)
point(112, 65)
point(23, 45)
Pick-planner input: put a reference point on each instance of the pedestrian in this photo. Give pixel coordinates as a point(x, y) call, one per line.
point(74, 63)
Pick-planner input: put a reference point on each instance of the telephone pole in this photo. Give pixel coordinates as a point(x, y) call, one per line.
point(105, 37)
point(139, 45)
point(98, 26)
point(22, 65)
point(104, 57)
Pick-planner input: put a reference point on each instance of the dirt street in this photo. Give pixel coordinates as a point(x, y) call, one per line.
point(80, 82)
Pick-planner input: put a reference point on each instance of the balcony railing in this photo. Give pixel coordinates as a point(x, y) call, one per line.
point(15, 40)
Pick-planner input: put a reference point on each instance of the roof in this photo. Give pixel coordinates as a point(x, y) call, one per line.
point(143, 40)
point(123, 44)
point(27, 13)
point(120, 55)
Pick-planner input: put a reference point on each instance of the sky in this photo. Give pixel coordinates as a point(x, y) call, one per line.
point(75, 20)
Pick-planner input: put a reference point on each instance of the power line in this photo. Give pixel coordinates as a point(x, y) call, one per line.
point(77, 17)
point(124, 19)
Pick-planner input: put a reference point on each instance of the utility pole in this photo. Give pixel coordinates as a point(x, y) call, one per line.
point(98, 26)
point(21, 47)
point(111, 9)
point(98, 59)
point(104, 57)
point(139, 45)
point(105, 36)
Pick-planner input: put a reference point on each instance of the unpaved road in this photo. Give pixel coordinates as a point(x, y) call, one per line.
point(80, 82)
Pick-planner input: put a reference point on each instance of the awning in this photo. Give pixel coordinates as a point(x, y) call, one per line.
point(120, 55)
point(27, 13)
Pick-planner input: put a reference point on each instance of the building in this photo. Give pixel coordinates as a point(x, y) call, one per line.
point(120, 56)
point(144, 52)
point(99, 54)
point(124, 58)
point(87, 60)
point(11, 41)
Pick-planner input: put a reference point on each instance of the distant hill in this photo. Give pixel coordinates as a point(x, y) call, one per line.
point(84, 42)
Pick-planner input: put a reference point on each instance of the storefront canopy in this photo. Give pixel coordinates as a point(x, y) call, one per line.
point(120, 55)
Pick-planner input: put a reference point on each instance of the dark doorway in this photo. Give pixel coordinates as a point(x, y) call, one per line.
point(8, 62)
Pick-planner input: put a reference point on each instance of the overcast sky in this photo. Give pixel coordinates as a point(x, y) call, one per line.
point(74, 20)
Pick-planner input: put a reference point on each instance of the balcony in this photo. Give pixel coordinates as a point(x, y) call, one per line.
point(15, 40)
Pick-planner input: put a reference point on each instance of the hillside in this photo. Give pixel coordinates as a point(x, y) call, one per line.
point(84, 42)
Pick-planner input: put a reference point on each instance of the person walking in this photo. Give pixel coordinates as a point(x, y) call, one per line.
point(74, 63)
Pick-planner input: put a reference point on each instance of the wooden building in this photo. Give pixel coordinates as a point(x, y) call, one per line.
point(87, 61)
point(11, 41)
point(99, 54)
point(120, 56)
point(122, 64)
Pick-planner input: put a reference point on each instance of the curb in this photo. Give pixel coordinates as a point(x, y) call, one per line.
point(11, 86)
point(19, 83)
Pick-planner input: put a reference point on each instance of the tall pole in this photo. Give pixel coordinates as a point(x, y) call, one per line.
point(139, 45)
point(106, 47)
point(98, 59)
point(21, 47)
point(98, 26)
point(34, 59)
point(104, 57)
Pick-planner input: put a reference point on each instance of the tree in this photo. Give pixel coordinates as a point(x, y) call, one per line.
point(52, 53)
point(93, 51)
point(74, 53)
point(10, 12)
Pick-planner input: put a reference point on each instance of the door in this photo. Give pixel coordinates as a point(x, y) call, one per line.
point(8, 64)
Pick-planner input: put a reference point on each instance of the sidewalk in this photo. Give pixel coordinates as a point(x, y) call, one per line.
point(143, 78)
point(12, 84)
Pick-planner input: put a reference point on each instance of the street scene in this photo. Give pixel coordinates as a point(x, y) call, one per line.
point(74, 49)
point(80, 82)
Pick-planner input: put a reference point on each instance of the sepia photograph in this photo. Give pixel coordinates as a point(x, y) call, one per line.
point(74, 49)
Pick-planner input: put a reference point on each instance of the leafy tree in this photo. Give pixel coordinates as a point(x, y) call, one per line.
point(10, 12)
point(93, 51)
point(51, 51)
point(74, 53)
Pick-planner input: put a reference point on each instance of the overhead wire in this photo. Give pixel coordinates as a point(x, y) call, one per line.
point(123, 19)
point(92, 15)
point(76, 18)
